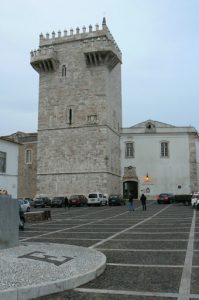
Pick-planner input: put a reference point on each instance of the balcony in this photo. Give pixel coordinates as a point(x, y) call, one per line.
point(44, 60)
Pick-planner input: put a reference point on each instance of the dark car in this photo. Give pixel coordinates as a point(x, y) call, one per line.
point(21, 218)
point(78, 200)
point(165, 198)
point(42, 202)
point(116, 200)
point(58, 202)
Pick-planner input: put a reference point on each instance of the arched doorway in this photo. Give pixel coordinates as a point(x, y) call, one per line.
point(130, 186)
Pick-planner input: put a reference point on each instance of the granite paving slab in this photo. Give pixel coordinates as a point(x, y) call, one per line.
point(196, 245)
point(145, 257)
point(161, 230)
point(195, 259)
point(81, 235)
point(31, 270)
point(82, 243)
point(77, 295)
point(194, 281)
point(146, 279)
point(87, 229)
point(166, 245)
point(162, 236)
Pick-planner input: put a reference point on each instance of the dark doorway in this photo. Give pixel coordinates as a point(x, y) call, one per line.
point(130, 186)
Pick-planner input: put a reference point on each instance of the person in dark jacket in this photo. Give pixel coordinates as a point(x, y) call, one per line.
point(143, 201)
point(66, 202)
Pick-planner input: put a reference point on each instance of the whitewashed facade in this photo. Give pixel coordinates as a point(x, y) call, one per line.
point(159, 158)
point(9, 152)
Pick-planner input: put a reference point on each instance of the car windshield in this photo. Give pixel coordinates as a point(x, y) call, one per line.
point(74, 197)
point(58, 198)
point(113, 197)
point(92, 196)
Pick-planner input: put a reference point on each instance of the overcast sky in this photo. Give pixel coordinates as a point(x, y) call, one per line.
point(159, 40)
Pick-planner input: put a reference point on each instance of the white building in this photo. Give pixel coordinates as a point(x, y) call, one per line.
point(158, 158)
point(9, 152)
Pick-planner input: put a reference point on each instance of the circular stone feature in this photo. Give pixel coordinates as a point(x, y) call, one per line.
point(31, 270)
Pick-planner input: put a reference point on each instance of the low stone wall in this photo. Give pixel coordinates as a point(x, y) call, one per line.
point(9, 222)
point(35, 216)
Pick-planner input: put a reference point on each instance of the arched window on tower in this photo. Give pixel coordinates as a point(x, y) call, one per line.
point(63, 71)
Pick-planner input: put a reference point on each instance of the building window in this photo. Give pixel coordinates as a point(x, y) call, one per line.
point(63, 73)
point(70, 116)
point(129, 152)
point(2, 162)
point(164, 149)
point(28, 156)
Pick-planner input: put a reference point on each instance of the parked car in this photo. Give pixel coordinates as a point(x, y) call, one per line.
point(24, 204)
point(77, 200)
point(58, 202)
point(21, 218)
point(95, 198)
point(42, 202)
point(165, 198)
point(30, 200)
point(195, 200)
point(105, 200)
point(183, 198)
point(116, 199)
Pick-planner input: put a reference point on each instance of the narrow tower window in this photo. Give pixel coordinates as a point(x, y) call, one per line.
point(28, 156)
point(63, 71)
point(70, 116)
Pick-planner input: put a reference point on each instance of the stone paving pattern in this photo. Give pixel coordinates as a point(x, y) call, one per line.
point(146, 250)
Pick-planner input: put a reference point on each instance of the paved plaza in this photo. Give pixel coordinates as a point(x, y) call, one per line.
point(151, 254)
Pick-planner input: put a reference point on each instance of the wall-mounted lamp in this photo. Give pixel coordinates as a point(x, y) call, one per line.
point(146, 177)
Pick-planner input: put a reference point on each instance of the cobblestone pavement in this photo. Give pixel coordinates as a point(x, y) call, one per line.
point(151, 255)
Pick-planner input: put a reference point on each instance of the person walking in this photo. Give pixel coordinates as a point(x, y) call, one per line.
point(143, 201)
point(130, 204)
point(66, 202)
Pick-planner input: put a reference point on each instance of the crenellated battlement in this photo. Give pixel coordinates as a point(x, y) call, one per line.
point(95, 43)
point(77, 34)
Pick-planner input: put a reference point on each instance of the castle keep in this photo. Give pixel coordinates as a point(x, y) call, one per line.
point(80, 113)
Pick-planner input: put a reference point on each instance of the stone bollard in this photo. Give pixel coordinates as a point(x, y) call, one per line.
point(9, 222)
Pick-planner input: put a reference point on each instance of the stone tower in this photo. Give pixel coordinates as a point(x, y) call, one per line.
point(80, 113)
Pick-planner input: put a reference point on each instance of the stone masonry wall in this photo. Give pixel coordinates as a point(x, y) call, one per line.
point(79, 115)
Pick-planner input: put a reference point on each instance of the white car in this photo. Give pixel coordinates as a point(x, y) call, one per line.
point(25, 205)
point(96, 199)
point(195, 200)
point(105, 200)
